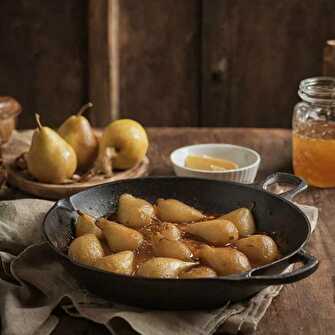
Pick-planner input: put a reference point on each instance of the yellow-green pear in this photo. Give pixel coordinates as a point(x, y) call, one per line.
point(50, 159)
point(123, 144)
point(77, 131)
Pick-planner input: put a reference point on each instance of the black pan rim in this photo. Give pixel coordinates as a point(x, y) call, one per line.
point(242, 277)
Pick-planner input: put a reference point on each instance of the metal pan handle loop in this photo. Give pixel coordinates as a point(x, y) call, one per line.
point(310, 264)
point(298, 184)
point(65, 204)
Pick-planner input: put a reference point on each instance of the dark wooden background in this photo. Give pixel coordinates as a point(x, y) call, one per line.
point(181, 62)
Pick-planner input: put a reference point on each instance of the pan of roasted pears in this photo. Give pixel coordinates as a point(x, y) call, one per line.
point(181, 243)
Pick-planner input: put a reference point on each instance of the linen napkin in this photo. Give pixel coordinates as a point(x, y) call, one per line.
point(33, 282)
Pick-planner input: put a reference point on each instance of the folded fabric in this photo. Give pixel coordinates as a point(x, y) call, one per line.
point(34, 282)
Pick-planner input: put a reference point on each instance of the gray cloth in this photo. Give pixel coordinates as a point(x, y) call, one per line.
point(34, 282)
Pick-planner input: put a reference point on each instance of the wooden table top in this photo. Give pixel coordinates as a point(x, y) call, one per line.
point(306, 307)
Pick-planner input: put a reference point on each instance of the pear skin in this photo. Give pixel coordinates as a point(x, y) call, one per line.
point(225, 261)
point(163, 267)
point(243, 219)
point(85, 224)
point(127, 140)
point(260, 249)
point(121, 263)
point(163, 247)
point(119, 237)
point(172, 210)
point(218, 232)
point(86, 249)
point(170, 231)
point(134, 212)
point(77, 131)
point(50, 158)
point(198, 272)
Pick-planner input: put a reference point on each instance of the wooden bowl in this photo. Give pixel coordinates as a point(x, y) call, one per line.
point(22, 181)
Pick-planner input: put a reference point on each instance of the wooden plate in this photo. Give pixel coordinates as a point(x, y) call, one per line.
point(58, 191)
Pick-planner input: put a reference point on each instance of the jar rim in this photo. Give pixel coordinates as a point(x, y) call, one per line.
point(318, 90)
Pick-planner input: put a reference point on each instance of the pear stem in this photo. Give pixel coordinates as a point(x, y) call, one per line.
point(38, 120)
point(84, 108)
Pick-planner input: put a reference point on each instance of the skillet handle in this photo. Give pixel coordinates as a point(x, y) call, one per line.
point(65, 204)
point(298, 184)
point(310, 264)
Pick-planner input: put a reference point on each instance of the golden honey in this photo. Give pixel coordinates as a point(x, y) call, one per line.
point(313, 126)
point(314, 159)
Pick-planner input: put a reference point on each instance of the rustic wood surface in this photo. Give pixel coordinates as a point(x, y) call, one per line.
point(103, 51)
point(165, 63)
point(43, 57)
point(159, 61)
point(255, 53)
point(19, 179)
point(99, 85)
point(306, 307)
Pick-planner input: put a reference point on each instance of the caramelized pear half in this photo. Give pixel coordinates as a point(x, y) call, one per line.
point(121, 263)
point(260, 249)
point(85, 224)
point(119, 237)
point(218, 232)
point(164, 247)
point(198, 272)
point(243, 219)
point(134, 212)
point(225, 261)
point(172, 210)
point(86, 249)
point(162, 267)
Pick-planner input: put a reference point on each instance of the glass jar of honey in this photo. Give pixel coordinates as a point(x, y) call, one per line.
point(314, 132)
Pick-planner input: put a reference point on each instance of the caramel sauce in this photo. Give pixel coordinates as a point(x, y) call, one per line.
point(143, 253)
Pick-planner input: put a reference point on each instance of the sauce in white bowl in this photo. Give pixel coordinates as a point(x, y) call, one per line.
point(248, 161)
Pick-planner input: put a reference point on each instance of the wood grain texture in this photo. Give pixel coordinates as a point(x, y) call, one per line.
point(103, 51)
point(164, 63)
point(254, 55)
point(43, 57)
point(165, 140)
point(99, 85)
point(19, 180)
point(159, 61)
point(308, 307)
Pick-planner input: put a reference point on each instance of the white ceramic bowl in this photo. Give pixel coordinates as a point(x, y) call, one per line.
point(247, 159)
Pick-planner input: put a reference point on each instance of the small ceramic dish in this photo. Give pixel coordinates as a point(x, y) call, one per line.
point(247, 159)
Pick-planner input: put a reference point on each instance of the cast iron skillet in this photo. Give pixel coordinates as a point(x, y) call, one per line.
point(273, 214)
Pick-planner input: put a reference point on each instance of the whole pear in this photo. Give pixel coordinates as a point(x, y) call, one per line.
point(50, 159)
point(123, 144)
point(77, 131)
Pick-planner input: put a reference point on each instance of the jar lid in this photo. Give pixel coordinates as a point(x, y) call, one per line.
point(9, 108)
point(318, 89)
